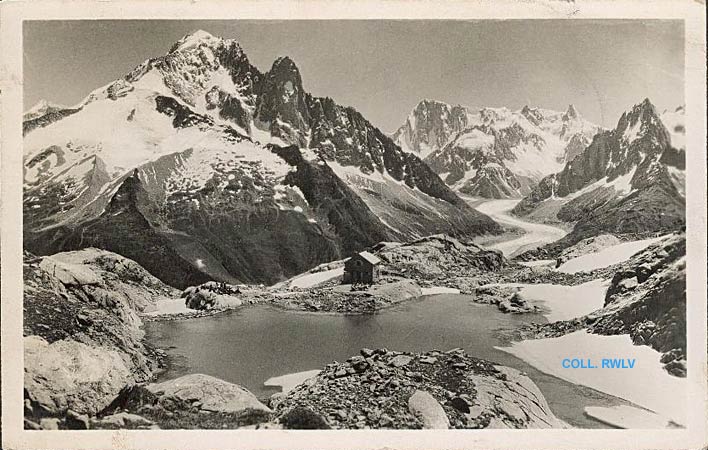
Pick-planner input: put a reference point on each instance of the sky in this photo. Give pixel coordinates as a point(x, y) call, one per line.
point(384, 68)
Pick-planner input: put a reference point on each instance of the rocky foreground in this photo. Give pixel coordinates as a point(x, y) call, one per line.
point(82, 332)
point(87, 365)
point(379, 389)
point(390, 389)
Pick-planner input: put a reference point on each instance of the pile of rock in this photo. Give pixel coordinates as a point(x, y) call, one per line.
point(391, 389)
point(434, 256)
point(212, 295)
point(507, 298)
point(332, 299)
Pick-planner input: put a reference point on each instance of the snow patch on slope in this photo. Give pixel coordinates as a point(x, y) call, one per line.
point(313, 279)
point(607, 256)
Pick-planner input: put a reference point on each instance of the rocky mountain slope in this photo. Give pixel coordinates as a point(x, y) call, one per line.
point(647, 300)
point(200, 166)
point(493, 152)
point(628, 180)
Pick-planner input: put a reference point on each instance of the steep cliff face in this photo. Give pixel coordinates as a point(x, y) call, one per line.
point(430, 126)
point(184, 159)
point(629, 179)
point(493, 152)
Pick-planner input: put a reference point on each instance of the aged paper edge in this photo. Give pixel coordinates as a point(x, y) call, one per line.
point(13, 13)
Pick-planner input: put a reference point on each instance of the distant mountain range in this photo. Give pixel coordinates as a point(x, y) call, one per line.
point(494, 152)
point(628, 180)
point(199, 166)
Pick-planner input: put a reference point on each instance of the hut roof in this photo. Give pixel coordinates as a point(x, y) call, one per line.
point(373, 259)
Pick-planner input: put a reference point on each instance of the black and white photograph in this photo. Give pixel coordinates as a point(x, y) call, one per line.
point(355, 224)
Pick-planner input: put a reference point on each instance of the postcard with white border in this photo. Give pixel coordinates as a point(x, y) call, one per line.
point(343, 225)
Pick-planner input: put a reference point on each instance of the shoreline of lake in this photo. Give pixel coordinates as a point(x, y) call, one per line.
point(387, 328)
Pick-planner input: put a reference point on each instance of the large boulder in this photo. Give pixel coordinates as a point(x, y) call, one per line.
point(194, 401)
point(428, 410)
point(212, 393)
point(71, 375)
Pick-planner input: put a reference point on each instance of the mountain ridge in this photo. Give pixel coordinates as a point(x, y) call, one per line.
point(206, 132)
point(493, 152)
point(630, 179)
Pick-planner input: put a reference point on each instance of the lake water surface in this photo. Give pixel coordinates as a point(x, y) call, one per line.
point(249, 345)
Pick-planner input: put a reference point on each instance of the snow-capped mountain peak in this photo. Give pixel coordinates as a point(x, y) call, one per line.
point(571, 113)
point(214, 147)
point(642, 121)
point(41, 108)
point(632, 164)
point(429, 126)
point(524, 145)
point(195, 39)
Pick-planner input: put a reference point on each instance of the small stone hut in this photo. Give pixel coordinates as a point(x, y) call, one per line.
point(361, 268)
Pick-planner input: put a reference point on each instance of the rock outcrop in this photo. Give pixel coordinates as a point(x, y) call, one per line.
point(212, 393)
point(389, 389)
point(438, 256)
point(83, 341)
point(646, 299)
point(195, 401)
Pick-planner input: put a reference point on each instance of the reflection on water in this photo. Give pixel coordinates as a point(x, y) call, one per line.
point(250, 345)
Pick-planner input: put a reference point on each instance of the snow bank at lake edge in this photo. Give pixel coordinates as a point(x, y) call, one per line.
point(647, 384)
point(628, 417)
point(289, 381)
point(433, 290)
